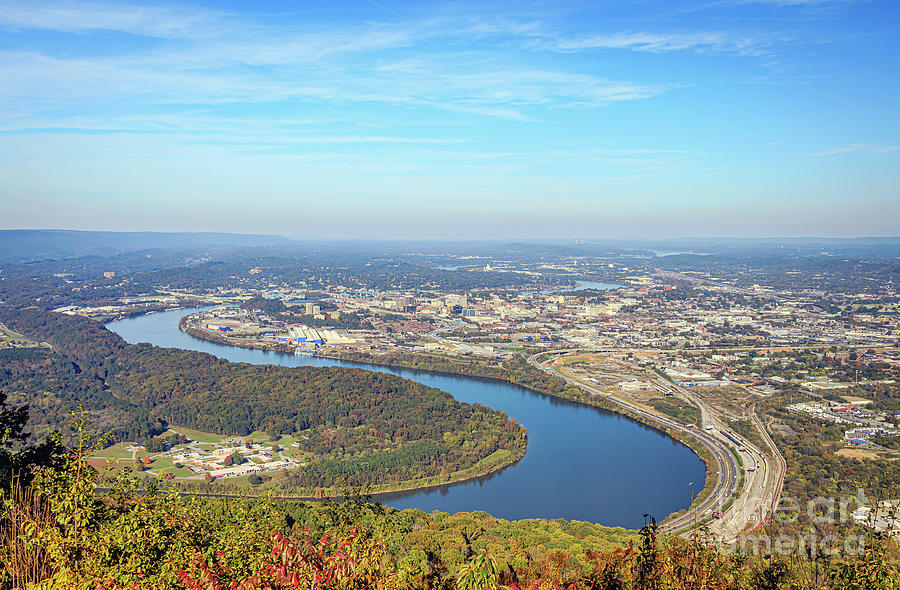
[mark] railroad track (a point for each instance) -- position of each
(727, 465)
(779, 459)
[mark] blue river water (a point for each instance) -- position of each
(581, 463)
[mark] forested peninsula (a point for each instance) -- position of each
(361, 428)
(514, 369)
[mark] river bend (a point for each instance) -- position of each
(582, 463)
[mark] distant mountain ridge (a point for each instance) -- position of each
(30, 245)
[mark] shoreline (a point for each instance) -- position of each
(592, 402)
(373, 360)
(514, 458)
(614, 409)
(374, 495)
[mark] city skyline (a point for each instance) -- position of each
(453, 120)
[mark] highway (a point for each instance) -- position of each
(771, 485)
(763, 472)
(726, 464)
(763, 476)
(760, 475)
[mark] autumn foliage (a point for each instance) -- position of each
(58, 533)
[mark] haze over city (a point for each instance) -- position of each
(398, 119)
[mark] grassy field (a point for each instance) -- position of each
(116, 451)
(678, 409)
(10, 339)
(496, 458)
(298, 454)
(162, 467)
(197, 435)
(286, 441)
(162, 463)
(257, 436)
(155, 470)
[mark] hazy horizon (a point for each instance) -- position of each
(551, 239)
(453, 120)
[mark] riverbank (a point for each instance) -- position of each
(580, 464)
(236, 488)
(524, 375)
(515, 371)
(485, 467)
(216, 338)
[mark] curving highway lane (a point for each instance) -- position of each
(728, 468)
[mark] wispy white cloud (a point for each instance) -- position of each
(212, 57)
(461, 82)
(144, 20)
(787, 12)
(319, 110)
(871, 148)
(798, 2)
(712, 41)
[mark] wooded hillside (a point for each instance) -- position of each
(361, 427)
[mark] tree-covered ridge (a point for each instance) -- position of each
(346, 415)
(514, 369)
(214, 395)
(270, 306)
(54, 387)
(359, 427)
(81, 339)
(58, 533)
(47, 284)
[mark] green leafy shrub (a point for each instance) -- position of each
(59, 534)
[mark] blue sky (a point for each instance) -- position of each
(461, 119)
